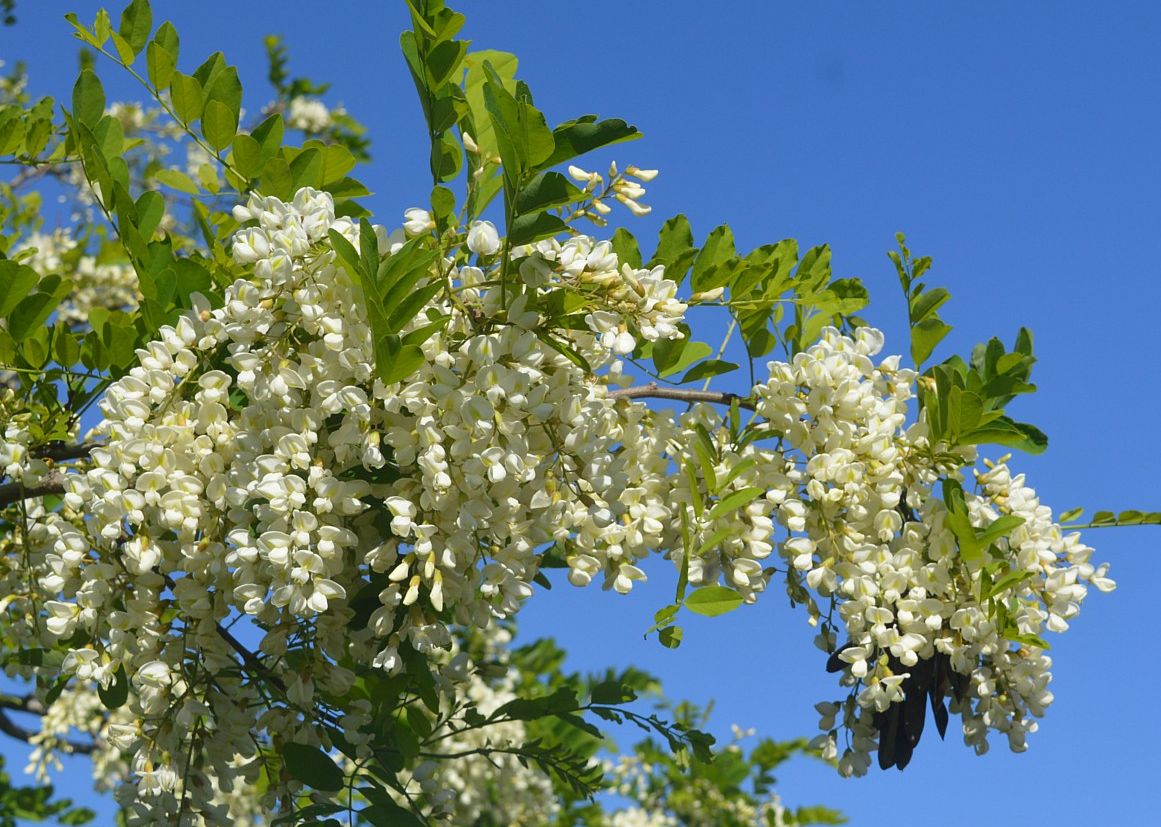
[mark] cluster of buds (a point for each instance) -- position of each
(621, 187)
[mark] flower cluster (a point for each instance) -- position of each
(310, 115)
(254, 464)
(95, 283)
(242, 470)
(868, 536)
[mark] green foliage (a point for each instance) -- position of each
(1108, 519)
(25, 804)
(965, 402)
(927, 329)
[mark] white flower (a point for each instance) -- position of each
(417, 221)
(483, 240)
(308, 114)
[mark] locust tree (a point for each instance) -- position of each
(278, 474)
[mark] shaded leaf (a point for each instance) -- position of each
(313, 767)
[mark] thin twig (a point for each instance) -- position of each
(655, 391)
(250, 659)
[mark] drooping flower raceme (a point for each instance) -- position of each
(254, 464)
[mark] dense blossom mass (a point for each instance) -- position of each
(254, 464)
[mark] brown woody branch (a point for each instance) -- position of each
(62, 451)
(655, 391)
(34, 707)
(50, 483)
(53, 481)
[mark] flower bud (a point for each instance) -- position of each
(483, 240)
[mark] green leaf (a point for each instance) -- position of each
(663, 617)
(712, 601)
(1071, 515)
(35, 348)
(401, 310)
(347, 253)
(625, 246)
(401, 360)
(671, 636)
(88, 98)
(150, 208)
(529, 228)
(389, 814)
(1027, 640)
(927, 303)
(115, 695)
(1001, 527)
(160, 65)
(16, 281)
(444, 61)
(565, 349)
(524, 138)
(675, 250)
(612, 692)
(346, 188)
(124, 50)
(35, 308)
(219, 124)
(247, 156)
(446, 157)
(58, 688)
(480, 126)
(734, 501)
(176, 179)
(161, 56)
(82, 32)
(707, 369)
(925, 336)
(136, 23)
(686, 354)
(574, 138)
(443, 205)
(547, 190)
(337, 161)
(306, 168)
(166, 37)
(223, 85)
(312, 766)
(269, 134)
(187, 98)
(1008, 581)
(277, 179)
(709, 266)
(964, 410)
(958, 521)
(1005, 431)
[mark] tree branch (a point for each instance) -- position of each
(28, 703)
(250, 659)
(14, 730)
(50, 483)
(655, 391)
(62, 451)
(53, 481)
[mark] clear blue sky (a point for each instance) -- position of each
(1015, 142)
